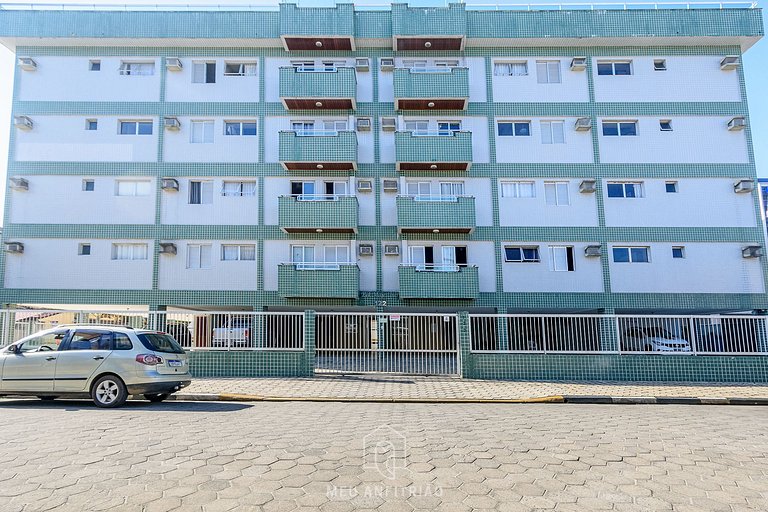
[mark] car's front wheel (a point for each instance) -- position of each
(157, 397)
(109, 391)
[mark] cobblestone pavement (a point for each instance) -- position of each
(383, 386)
(282, 456)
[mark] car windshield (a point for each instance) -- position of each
(160, 342)
(660, 332)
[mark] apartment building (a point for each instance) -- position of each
(413, 159)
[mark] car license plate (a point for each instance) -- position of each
(175, 363)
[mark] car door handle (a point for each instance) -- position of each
(50, 358)
(97, 358)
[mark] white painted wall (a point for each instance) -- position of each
(55, 263)
(65, 139)
(534, 211)
(476, 73)
(178, 145)
(573, 85)
(576, 149)
(687, 78)
(179, 85)
(279, 251)
(390, 279)
(538, 277)
(275, 186)
(69, 79)
(53, 199)
(272, 67)
(698, 202)
(480, 254)
(173, 273)
(702, 139)
(707, 268)
(367, 266)
(475, 124)
(175, 207)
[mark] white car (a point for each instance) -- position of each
(653, 339)
(107, 363)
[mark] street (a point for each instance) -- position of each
(281, 456)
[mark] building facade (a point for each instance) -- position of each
(410, 159)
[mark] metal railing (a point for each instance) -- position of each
(428, 267)
(318, 197)
(317, 133)
(318, 265)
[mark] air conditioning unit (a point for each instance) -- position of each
(15, 247)
(583, 124)
(578, 64)
(387, 64)
(170, 184)
(588, 186)
(593, 251)
(363, 124)
(743, 186)
(388, 124)
(752, 251)
(364, 186)
(391, 250)
(362, 64)
(730, 62)
(172, 123)
(27, 64)
(365, 249)
(23, 122)
(19, 184)
(173, 64)
(390, 186)
(168, 248)
(737, 124)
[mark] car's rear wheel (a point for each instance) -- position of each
(47, 398)
(157, 397)
(109, 391)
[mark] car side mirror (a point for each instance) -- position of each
(13, 349)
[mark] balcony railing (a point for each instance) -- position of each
(420, 281)
(318, 280)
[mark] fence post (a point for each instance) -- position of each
(609, 337)
(309, 342)
(258, 329)
(8, 327)
(762, 334)
(157, 318)
(466, 369)
(502, 332)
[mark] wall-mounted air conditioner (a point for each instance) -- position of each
(362, 64)
(578, 64)
(365, 250)
(752, 251)
(593, 251)
(387, 64)
(27, 64)
(737, 124)
(172, 123)
(363, 124)
(588, 186)
(23, 122)
(391, 250)
(744, 186)
(168, 248)
(14, 247)
(388, 124)
(583, 124)
(170, 184)
(364, 186)
(173, 64)
(730, 62)
(19, 183)
(390, 186)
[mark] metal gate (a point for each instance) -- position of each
(408, 343)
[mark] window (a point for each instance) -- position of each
(619, 128)
(52, 340)
(335, 125)
(423, 257)
(665, 125)
(451, 188)
(135, 127)
(417, 188)
(200, 192)
(417, 126)
(239, 127)
(518, 189)
(552, 132)
(129, 251)
(631, 255)
(203, 72)
(202, 132)
(303, 127)
(121, 341)
(670, 187)
(89, 185)
(548, 71)
(84, 249)
(238, 189)
(510, 68)
(521, 254)
(302, 188)
(302, 254)
(335, 188)
(678, 252)
(136, 68)
(561, 258)
(91, 124)
(415, 65)
(94, 65)
(517, 129)
(448, 127)
(617, 189)
(446, 63)
(238, 253)
(133, 188)
(614, 67)
(198, 256)
(85, 340)
(556, 193)
(336, 254)
(239, 69)
(659, 65)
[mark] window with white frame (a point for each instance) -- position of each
(625, 189)
(552, 132)
(91, 124)
(451, 188)
(336, 188)
(204, 72)
(678, 252)
(417, 126)
(561, 258)
(619, 128)
(336, 254)
(200, 192)
(514, 128)
(631, 255)
(201, 132)
(556, 193)
(243, 128)
(521, 254)
(199, 256)
(448, 127)
(518, 189)
(94, 65)
(519, 68)
(239, 69)
(84, 249)
(302, 253)
(89, 185)
(135, 127)
(446, 63)
(335, 125)
(665, 125)
(417, 188)
(136, 68)
(617, 67)
(133, 187)
(302, 188)
(129, 251)
(238, 189)
(415, 64)
(303, 127)
(237, 252)
(548, 71)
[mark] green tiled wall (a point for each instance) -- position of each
(332, 84)
(317, 21)
(414, 148)
(341, 147)
(436, 214)
(431, 85)
(436, 21)
(343, 283)
(246, 363)
(415, 284)
(338, 214)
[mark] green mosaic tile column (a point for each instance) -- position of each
(257, 332)
(465, 345)
(609, 337)
(762, 335)
(502, 333)
(309, 342)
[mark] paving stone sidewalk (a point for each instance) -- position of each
(378, 387)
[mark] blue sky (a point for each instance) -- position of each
(755, 66)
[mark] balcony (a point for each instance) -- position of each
(417, 282)
(312, 151)
(321, 214)
(318, 88)
(429, 29)
(432, 152)
(430, 214)
(317, 28)
(431, 89)
(318, 280)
